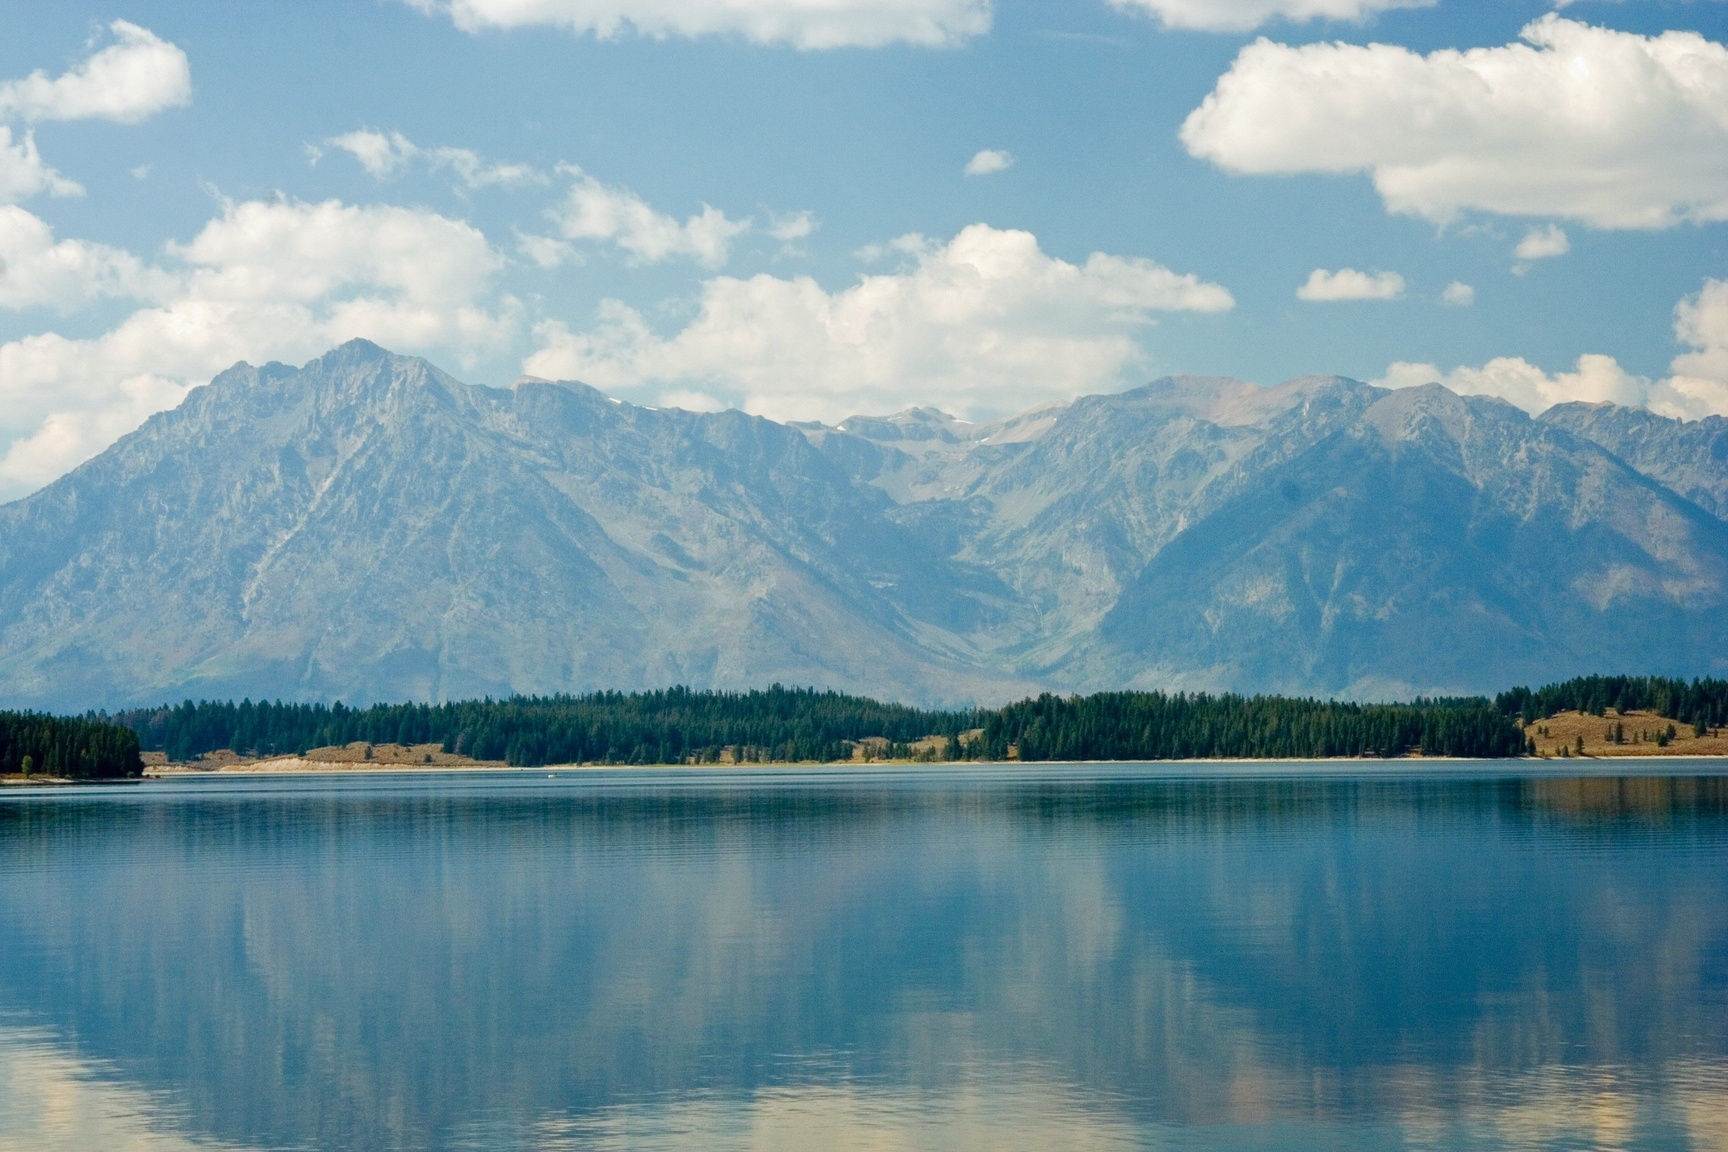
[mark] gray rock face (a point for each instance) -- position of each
(368, 528)
(1689, 456)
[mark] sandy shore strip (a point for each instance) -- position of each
(283, 766)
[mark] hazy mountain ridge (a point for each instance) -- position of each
(369, 528)
(1688, 456)
(1440, 535)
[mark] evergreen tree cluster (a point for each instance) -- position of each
(1703, 703)
(680, 725)
(1155, 726)
(78, 748)
(673, 726)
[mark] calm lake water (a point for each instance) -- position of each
(1074, 959)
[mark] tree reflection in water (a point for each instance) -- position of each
(780, 961)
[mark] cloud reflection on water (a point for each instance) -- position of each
(1218, 965)
(53, 1101)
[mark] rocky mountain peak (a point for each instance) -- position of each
(367, 527)
(1688, 456)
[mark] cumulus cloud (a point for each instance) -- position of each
(1512, 378)
(793, 226)
(809, 24)
(1543, 244)
(546, 251)
(1701, 322)
(1349, 284)
(1610, 128)
(132, 79)
(381, 154)
(128, 81)
(23, 174)
(1244, 15)
(384, 155)
(264, 279)
(989, 161)
(596, 211)
(1458, 294)
(1697, 388)
(38, 271)
(986, 322)
(284, 251)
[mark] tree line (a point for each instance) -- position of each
(78, 748)
(681, 725)
(777, 724)
(1703, 703)
(670, 726)
(1156, 726)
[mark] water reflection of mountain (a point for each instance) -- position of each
(394, 967)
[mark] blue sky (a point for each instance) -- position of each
(767, 205)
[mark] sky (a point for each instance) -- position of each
(810, 209)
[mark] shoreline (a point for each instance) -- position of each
(285, 767)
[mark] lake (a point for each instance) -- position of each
(1075, 958)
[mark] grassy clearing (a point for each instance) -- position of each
(1639, 734)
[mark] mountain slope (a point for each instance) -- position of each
(368, 528)
(1321, 536)
(1688, 456)
(1439, 540)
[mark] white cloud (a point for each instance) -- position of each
(798, 23)
(262, 280)
(1349, 284)
(1697, 388)
(381, 154)
(476, 173)
(595, 211)
(385, 154)
(989, 161)
(1701, 322)
(38, 271)
(23, 174)
(547, 251)
(285, 251)
(984, 323)
(1543, 244)
(794, 226)
(1243, 15)
(1515, 379)
(130, 80)
(1610, 128)
(1458, 294)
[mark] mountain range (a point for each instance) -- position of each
(368, 528)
